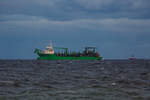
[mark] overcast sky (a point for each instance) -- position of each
(118, 28)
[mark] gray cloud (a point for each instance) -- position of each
(137, 26)
(77, 9)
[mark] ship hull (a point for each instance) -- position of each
(54, 57)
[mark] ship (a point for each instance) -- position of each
(132, 57)
(89, 53)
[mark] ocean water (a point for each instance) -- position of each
(75, 80)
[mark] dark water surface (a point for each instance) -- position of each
(74, 80)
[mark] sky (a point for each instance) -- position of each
(118, 28)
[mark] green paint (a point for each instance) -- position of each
(54, 57)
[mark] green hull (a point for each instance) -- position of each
(54, 57)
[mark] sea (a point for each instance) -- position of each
(75, 80)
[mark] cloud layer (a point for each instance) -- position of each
(77, 9)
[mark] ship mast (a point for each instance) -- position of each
(49, 49)
(50, 45)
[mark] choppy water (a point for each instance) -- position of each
(74, 80)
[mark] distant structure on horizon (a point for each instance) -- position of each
(132, 57)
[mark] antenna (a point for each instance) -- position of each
(50, 43)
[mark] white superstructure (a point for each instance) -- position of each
(49, 49)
